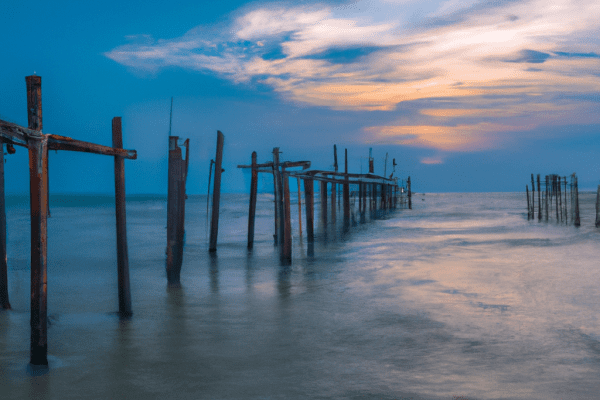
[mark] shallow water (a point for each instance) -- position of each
(462, 296)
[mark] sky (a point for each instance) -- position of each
(466, 96)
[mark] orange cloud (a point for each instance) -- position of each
(474, 137)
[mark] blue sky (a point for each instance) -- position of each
(466, 95)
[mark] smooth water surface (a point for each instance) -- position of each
(461, 296)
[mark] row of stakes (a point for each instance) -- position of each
(378, 192)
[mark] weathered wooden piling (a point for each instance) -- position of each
(286, 245)
(278, 182)
(539, 198)
(253, 193)
(559, 198)
(309, 206)
(122, 253)
(409, 193)
(598, 207)
(528, 202)
(334, 187)
(214, 222)
(547, 193)
(174, 247)
(4, 301)
(577, 221)
(299, 208)
(38, 184)
(346, 189)
(532, 198)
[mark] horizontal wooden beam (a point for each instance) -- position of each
(56, 142)
(15, 134)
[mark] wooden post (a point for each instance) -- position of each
(323, 195)
(577, 220)
(528, 202)
(173, 266)
(346, 190)
(38, 186)
(286, 246)
(409, 194)
(277, 179)
(214, 222)
(539, 199)
(360, 194)
(559, 198)
(598, 207)
(532, 198)
(299, 208)
(556, 197)
(309, 201)
(122, 254)
(252, 210)
(566, 209)
(546, 197)
(4, 303)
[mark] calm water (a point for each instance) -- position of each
(461, 296)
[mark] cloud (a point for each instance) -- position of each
(381, 54)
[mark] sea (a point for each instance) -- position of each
(460, 298)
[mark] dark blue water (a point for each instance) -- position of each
(462, 296)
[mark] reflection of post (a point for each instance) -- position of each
(214, 223)
(38, 153)
(173, 211)
(286, 247)
(309, 201)
(4, 303)
(122, 256)
(252, 210)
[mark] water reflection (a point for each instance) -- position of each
(214, 273)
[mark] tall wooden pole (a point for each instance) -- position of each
(299, 208)
(539, 198)
(252, 210)
(175, 172)
(38, 182)
(286, 246)
(598, 207)
(559, 198)
(279, 224)
(309, 206)
(532, 198)
(4, 302)
(122, 254)
(546, 191)
(334, 187)
(409, 194)
(346, 189)
(214, 222)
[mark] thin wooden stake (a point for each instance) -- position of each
(532, 198)
(309, 207)
(252, 210)
(598, 207)
(277, 179)
(323, 194)
(528, 202)
(539, 198)
(174, 261)
(214, 223)
(346, 190)
(4, 302)
(299, 208)
(577, 220)
(286, 247)
(409, 194)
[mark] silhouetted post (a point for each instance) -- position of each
(528, 205)
(277, 179)
(252, 210)
(559, 198)
(598, 207)
(532, 198)
(539, 198)
(409, 193)
(566, 209)
(214, 223)
(360, 194)
(286, 246)
(299, 208)
(122, 254)
(577, 221)
(309, 205)
(38, 186)
(346, 189)
(4, 303)
(323, 194)
(546, 197)
(334, 186)
(173, 211)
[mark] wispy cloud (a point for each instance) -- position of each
(378, 54)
